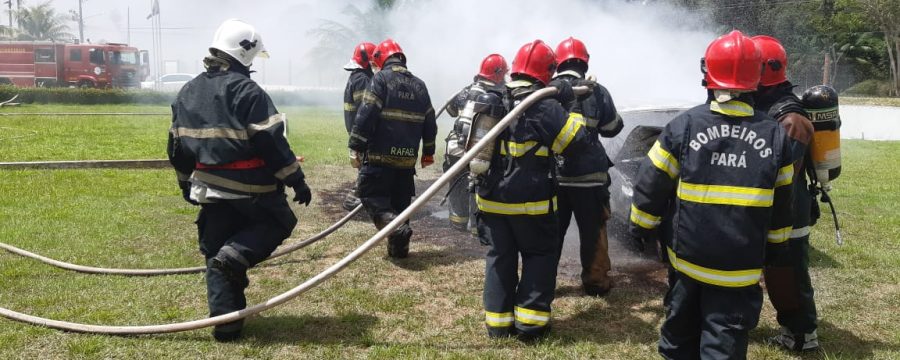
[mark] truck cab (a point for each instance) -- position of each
(102, 66)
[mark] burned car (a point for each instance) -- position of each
(628, 150)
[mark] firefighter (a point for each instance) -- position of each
(517, 200)
(788, 281)
(395, 116)
(360, 69)
(730, 169)
(229, 152)
(491, 78)
(583, 179)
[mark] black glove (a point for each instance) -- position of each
(565, 95)
(640, 237)
(302, 194)
(186, 192)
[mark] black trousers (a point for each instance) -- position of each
(385, 192)
(706, 321)
(508, 300)
(590, 206)
(254, 227)
(790, 288)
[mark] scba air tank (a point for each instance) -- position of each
(488, 109)
(821, 102)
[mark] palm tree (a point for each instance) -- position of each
(42, 22)
(336, 39)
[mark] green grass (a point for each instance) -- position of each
(426, 307)
(884, 101)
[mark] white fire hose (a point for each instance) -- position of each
(315, 280)
(189, 270)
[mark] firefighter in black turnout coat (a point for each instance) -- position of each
(360, 69)
(517, 201)
(228, 149)
(730, 170)
(491, 78)
(583, 178)
(787, 281)
(395, 116)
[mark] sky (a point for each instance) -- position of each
(645, 54)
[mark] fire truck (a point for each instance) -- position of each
(47, 64)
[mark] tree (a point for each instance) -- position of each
(886, 14)
(336, 39)
(6, 33)
(827, 41)
(42, 22)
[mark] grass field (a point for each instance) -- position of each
(428, 306)
(848, 100)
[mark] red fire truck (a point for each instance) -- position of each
(46, 64)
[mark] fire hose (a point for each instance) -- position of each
(189, 270)
(315, 280)
(444, 108)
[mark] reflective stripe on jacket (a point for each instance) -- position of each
(520, 179)
(782, 105)
(353, 92)
(395, 116)
(222, 117)
(590, 166)
(729, 170)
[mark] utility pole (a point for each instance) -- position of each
(9, 2)
(129, 27)
(80, 24)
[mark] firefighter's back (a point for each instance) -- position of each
(729, 170)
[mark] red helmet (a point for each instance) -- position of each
(571, 49)
(774, 60)
(732, 62)
(494, 68)
(362, 55)
(536, 60)
(385, 50)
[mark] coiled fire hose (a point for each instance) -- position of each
(189, 270)
(315, 280)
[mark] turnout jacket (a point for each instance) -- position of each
(589, 167)
(521, 178)
(730, 170)
(227, 134)
(356, 86)
(395, 115)
(782, 105)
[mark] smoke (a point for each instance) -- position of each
(646, 55)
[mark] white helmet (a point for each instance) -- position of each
(240, 40)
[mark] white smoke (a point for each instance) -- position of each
(646, 55)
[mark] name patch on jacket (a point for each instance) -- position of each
(403, 151)
(734, 132)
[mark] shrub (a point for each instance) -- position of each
(874, 88)
(85, 96)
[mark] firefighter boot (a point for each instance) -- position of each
(398, 242)
(796, 342)
(233, 265)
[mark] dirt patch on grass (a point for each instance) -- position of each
(641, 271)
